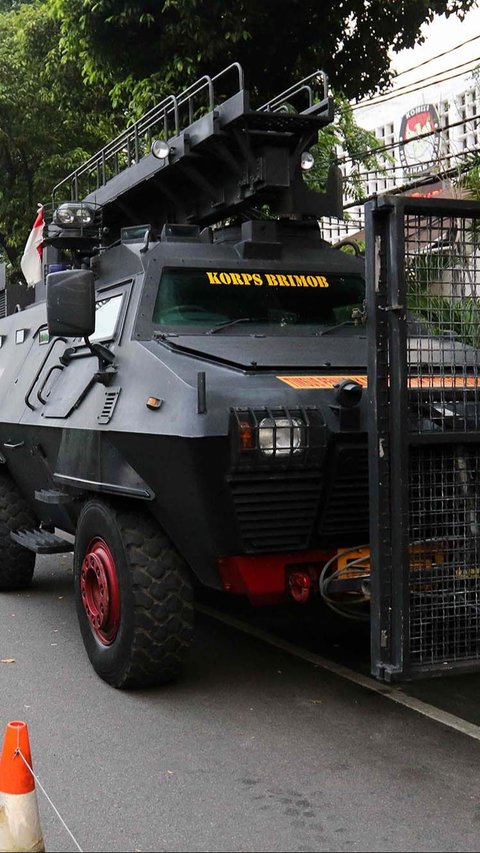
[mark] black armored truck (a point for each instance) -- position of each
(185, 396)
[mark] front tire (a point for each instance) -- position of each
(133, 596)
(16, 563)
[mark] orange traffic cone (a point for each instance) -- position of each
(19, 818)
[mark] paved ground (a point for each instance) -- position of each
(253, 750)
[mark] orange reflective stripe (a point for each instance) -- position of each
(413, 381)
(15, 777)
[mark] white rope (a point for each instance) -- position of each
(18, 751)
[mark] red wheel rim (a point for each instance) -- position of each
(100, 591)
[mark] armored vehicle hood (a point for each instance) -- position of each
(276, 352)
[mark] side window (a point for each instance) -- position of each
(107, 315)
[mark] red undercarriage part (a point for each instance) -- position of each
(266, 579)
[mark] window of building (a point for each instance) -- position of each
(384, 179)
(468, 108)
(443, 110)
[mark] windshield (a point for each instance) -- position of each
(205, 301)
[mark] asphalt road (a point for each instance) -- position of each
(254, 749)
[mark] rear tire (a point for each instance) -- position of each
(133, 596)
(17, 564)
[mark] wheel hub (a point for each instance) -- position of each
(100, 591)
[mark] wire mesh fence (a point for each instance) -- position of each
(444, 573)
(424, 296)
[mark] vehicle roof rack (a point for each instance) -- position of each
(221, 157)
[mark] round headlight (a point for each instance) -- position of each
(280, 436)
(160, 149)
(74, 214)
(65, 215)
(84, 215)
(307, 161)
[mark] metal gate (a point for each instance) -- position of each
(423, 305)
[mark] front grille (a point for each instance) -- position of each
(276, 512)
(344, 514)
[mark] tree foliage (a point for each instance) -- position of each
(151, 47)
(46, 121)
(75, 72)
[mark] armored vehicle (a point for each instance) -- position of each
(179, 397)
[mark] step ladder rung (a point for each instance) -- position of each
(41, 541)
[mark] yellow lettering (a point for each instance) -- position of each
(272, 279)
(300, 280)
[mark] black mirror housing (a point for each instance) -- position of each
(71, 303)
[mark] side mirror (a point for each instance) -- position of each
(71, 303)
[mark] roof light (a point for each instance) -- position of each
(160, 149)
(72, 214)
(64, 215)
(84, 215)
(307, 161)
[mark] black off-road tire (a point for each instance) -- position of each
(17, 564)
(146, 639)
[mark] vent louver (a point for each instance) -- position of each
(109, 403)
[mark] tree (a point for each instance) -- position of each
(75, 72)
(149, 48)
(47, 122)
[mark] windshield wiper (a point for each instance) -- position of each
(338, 326)
(358, 318)
(220, 326)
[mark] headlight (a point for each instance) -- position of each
(85, 215)
(276, 438)
(160, 149)
(280, 436)
(307, 161)
(64, 215)
(71, 214)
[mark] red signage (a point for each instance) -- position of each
(419, 139)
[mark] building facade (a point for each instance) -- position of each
(428, 135)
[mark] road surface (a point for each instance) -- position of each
(254, 749)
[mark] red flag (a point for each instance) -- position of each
(31, 262)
